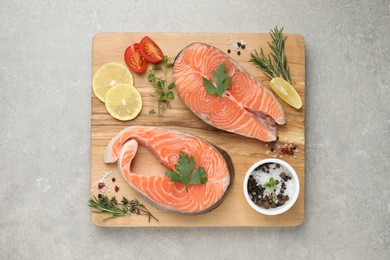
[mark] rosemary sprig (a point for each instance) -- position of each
(105, 205)
(278, 64)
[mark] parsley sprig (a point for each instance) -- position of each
(105, 205)
(222, 81)
(271, 185)
(185, 172)
(163, 90)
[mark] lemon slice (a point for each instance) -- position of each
(286, 92)
(109, 75)
(123, 102)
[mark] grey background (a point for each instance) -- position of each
(45, 89)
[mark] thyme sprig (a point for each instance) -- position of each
(277, 66)
(105, 205)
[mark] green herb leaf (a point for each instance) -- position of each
(222, 81)
(161, 83)
(198, 176)
(174, 176)
(210, 86)
(156, 67)
(151, 77)
(124, 201)
(113, 201)
(170, 95)
(152, 112)
(171, 85)
(185, 173)
(163, 97)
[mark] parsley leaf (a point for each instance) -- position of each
(198, 176)
(185, 172)
(221, 79)
(270, 184)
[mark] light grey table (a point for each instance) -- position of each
(45, 79)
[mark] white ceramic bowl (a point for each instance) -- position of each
(289, 203)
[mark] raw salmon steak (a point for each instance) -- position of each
(166, 145)
(246, 108)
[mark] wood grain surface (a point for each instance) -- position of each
(234, 211)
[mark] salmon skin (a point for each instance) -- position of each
(166, 145)
(246, 108)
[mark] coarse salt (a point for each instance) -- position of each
(103, 180)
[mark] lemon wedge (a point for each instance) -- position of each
(123, 102)
(286, 92)
(109, 75)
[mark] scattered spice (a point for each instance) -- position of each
(113, 179)
(102, 183)
(280, 150)
(116, 188)
(236, 46)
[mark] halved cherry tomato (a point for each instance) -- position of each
(150, 50)
(134, 59)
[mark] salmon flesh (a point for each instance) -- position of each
(166, 145)
(246, 108)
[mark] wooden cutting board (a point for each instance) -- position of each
(234, 211)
